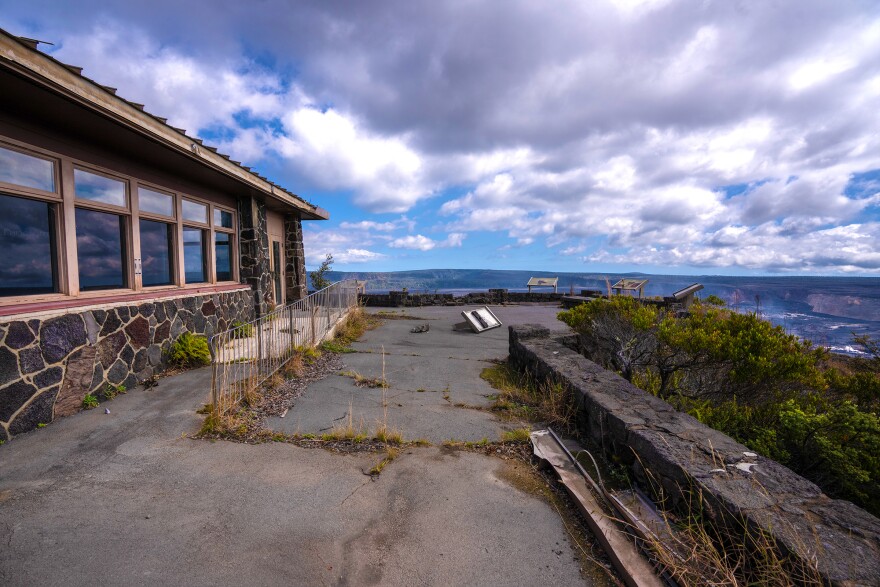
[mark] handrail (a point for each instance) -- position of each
(248, 353)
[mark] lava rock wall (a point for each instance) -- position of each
(47, 365)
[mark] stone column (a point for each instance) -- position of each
(254, 248)
(294, 259)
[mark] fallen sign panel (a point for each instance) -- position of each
(481, 319)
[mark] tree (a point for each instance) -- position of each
(319, 281)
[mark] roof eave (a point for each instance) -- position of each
(21, 56)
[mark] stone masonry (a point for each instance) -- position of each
(254, 252)
(294, 255)
(671, 452)
(47, 365)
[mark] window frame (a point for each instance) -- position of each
(233, 243)
(14, 188)
(65, 204)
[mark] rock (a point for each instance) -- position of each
(155, 354)
(61, 336)
(127, 355)
(108, 349)
(111, 324)
(31, 360)
(100, 316)
(39, 411)
(92, 327)
(12, 397)
(147, 309)
(97, 377)
(163, 331)
(123, 314)
(208, 308)
(131, 381)
(8, 366)
(78, 380)
(139, 332)
(117, 373)
(49, 377)
(140, 360)
(159, 313)
(18, 335)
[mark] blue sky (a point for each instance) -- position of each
(660, 136)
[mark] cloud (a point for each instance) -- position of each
(636, 131)
(423, 243)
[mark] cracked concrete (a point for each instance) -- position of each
(427, 373)
(127, 499)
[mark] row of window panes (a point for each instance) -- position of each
(27, 233)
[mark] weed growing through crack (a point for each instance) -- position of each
(516, 435)
(110, 391)
(378, 467)
(519, 396)
(89, 401)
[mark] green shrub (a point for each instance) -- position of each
(777, 394)
(242, 329)
(89, 402)
(189, 351)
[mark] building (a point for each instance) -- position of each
(117, 234)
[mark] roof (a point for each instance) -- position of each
(20, 54)
(545, 281)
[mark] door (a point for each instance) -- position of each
(277, 270)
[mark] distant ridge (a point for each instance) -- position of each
(826, 310)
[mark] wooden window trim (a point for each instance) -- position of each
(37, 153)
(66, 202)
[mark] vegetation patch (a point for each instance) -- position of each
(780, 396)
(89, 401)
(189, 351)
(241, 329)
(520, 397)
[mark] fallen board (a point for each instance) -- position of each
(620, 547)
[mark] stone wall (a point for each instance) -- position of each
(48, 364)
(294, 260)
(642, 431)
(403, 299)
(254, 252)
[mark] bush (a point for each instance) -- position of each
(189, 351)
(741, 375)
(241, 329)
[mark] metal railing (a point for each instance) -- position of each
(246, 355)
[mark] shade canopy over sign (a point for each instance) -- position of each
(630, 285)
(543, 282)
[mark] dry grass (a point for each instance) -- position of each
(520, 397)
(347, 430)
(387, 435)
(702, 547)
(516, 435)
(378, 467)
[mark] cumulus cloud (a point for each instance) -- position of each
(634, 131)
(423, 243)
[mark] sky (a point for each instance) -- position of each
(681, 137)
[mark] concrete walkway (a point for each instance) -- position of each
(127, 499)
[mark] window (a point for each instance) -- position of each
(26, 170)
(100, 240)
(194, 255)
(154, 202)
(222, 218)
(98, 188)
(156, 248)
(223, 255)
(27, 242)
(195, 212)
